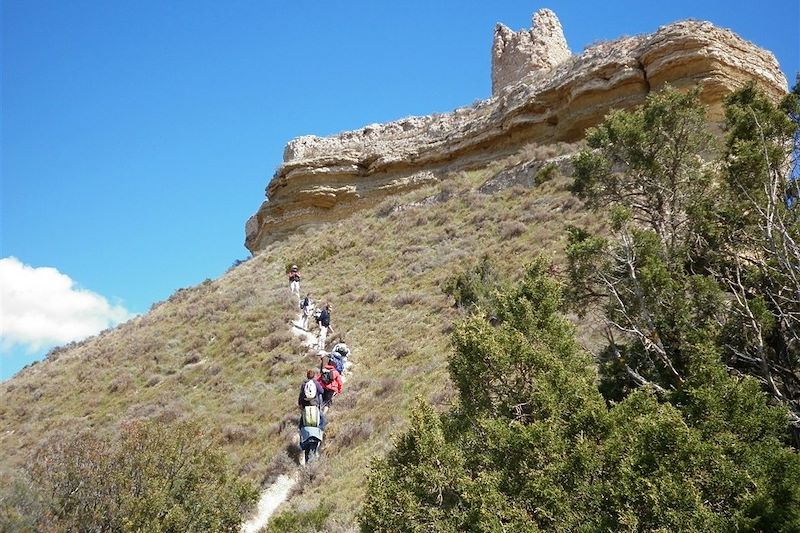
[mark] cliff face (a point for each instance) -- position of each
(541, 95)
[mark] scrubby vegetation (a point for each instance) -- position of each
(698, 253)
(301, 521)
(697, 288)
(154, 477)
(533, 446)
(401, 278)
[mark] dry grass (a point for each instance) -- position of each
(512, 228)
(222, 352)
(407, 299)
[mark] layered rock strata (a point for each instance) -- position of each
(322, 179)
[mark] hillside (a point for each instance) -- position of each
(376, 228)
(222, 352)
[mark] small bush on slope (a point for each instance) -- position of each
(473, 286)
(533, 446)
(156, 477)
(22, 506)
(300, 522)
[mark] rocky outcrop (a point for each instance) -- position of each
(555, 101)
(517, 54)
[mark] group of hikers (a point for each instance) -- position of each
(321, 315)
(320, 386)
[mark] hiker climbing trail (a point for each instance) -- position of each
(273, 496)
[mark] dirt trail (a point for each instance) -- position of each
(309, 339)
(269, 501)
(277, 493)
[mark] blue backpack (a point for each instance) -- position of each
(337, 361)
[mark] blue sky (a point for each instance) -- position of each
(138, 137)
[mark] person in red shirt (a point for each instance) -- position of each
(294, 280)
(331, 382)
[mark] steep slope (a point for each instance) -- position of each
(377, 219)
(221, 351)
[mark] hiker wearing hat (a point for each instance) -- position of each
(294, 280)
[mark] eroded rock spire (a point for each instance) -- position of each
(517, 54)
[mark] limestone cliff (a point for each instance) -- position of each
(542, 95)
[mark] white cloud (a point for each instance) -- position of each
(41, 307)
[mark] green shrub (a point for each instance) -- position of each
(301, 522)
(545, 174)
(22, 507)
(533, 445)
(473, 286)
(154, 477)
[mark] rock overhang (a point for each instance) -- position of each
(552, 97)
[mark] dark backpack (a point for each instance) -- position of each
(325, 318)
(327, 375)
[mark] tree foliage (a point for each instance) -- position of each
(649, 161)
(154, 477)
(704, 244)
(760, 266)
(473, 286)
(534, 446)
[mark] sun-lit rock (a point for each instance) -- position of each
(516, 54)
(542, 95)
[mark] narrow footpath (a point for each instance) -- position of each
(270, 500)
(273, 496)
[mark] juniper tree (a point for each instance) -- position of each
(703, 244)
(533, 446)
(761, 265)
